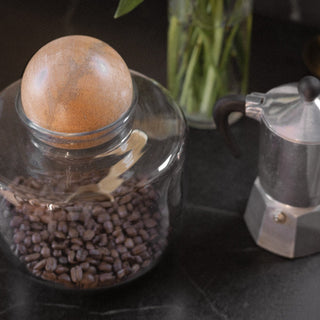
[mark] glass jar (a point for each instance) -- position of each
(208, 54)
(98, 216)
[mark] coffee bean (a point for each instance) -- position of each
(135, 268)
(19, 236)
(52, 226)
(120, 238)
(73, 233)
(114, 253)
(137, 240)
(16, 221)
(73, 216)
(131, 232)
(57, 253)
(27, 241)
(122, 211)
(48, 276)
(129, 243)
(106, 277)
(103, 217)
(85, 265)
(51, 264)
(150, 223)
(108, 226)
(106, 267)
(71, 256)
(63, 260)
(64, 278)
(45, 252)
(106, 204)
(40, 265)
(81, 254)
(125, 199)
(88, 235)
(134, 216)
(88, 280)
(36, 237)
(76, 274)
(139, 248)
(32, 257)
(63, 227)
(36, 248)
(144, 234)
(36, 226)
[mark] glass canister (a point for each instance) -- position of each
(91, 209)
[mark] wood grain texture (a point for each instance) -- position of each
(76, 84)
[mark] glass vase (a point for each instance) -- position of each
(208, 54)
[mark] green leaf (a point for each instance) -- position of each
(125, 6)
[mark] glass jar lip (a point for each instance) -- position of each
(108, 128)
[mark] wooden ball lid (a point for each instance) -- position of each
(76, 84)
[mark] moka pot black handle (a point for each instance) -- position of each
(221, 111)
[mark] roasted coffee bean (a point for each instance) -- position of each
(73, 233)
(88, 235)
(64, 278)
(138, 249)
(108, 259)
(40, 265)
(57, 253)
(36, 248)
(51, 264)
(103, 240)
(85, 265)
(114, 253)
(120, 238)
(27, 241)
(45, 252)
(58, 245)
(36, 237)
(19, 236)
(125, 199)
(60, 215)
(131, 232)
(121, 249)
(106, 267)
(122, 211)
(108, 226)
(52, 226)
(63, 227)
(73, 216)
(134, 216)
(150, 223)
(76, 274)
(90, 244)
(75, 247)
(36, 226)
(106, 277)
(137, 240)
(16, 221)
(71, 256)
(32, 257)
(48, 276)
(129, 243)
(81, 254)
(135, 268)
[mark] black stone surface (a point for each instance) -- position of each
(213, 270)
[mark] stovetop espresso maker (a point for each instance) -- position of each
(283, 211)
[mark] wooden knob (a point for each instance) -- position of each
(76, 84)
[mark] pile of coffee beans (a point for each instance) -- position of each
(89, 244)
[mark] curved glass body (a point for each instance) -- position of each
(94, 217)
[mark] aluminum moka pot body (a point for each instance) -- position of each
(283, 213)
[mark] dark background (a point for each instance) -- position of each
(214, 270)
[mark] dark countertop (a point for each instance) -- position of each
(214, 270)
